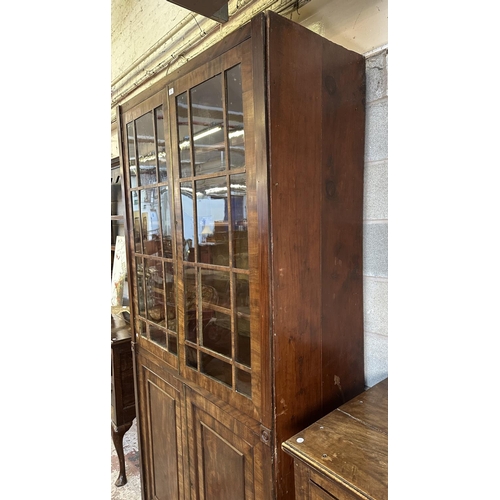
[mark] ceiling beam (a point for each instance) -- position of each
(213, 9)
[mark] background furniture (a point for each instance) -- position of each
(122, 388)
(122, 377)
(243, 176)
(343, 456)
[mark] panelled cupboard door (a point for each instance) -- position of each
(226, 459)
(211, 119)
(162, 448)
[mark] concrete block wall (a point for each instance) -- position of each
(375, 219)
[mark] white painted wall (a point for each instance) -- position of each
(152, 37)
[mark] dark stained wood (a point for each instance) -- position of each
(304, 139)
(317, 297)
(343, 119)
(260, 226)
(346, 452)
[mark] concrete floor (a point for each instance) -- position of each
(131, 490)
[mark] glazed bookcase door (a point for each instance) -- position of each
(151, 235)
(211, 112)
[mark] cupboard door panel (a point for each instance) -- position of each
(226, 458)
(163, 443)
(161, 437)
(223, 466)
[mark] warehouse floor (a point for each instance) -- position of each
(131, 490)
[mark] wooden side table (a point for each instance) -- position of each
(343, 456)
(122, 389)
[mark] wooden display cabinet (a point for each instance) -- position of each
(243, 175)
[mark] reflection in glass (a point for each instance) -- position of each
(242, 294)
(184, 135)
(216, 288)
(190, 301)
(172, 344)
(140, 286)
(235, 129)
(212, 218)
(149, 203)
(216, 369)
(166, 222)
(140, 327)
(208, 123)
(191, 358)
(216, 328)
(134, 196)
(131, 154)
(171, 300)
(187, 221)
(155, 297)
(146, 149)
(244, 383)
(160, 143)
(239, 220)
(243, 340)
(157, 335)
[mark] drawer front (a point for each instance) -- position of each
(310, 485)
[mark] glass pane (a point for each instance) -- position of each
(146, 149)
(212, 218)
(216, 369)
(208, 123)
(217, 331)
(191, 359)
(172, 344)
(134, 195)
(131, 154)
(184, 135)
(117, 229)
(158, 336)
(190, 301)
(140, 286)
(166, 222)
(239, 218)
(244, 383)
(160, 141)
(188, 228)
(150, 209)
(171, 301)
(117, 226)
(243, 341)
(140, 327)
(242, 294)
(155, 296)
(215, 288)
(235, 129)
